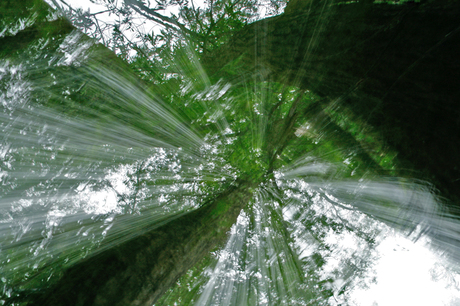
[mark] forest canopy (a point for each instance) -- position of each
(230, 152)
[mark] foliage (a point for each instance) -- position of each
(203, 26)
(163, 138)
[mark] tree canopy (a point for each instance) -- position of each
(225, 158)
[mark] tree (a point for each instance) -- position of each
(374, 60)
(262, 134)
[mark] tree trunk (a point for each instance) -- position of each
(139, 271)
(395, 66)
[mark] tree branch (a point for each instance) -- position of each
(154, 16)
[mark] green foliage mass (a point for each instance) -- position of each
(251, 131)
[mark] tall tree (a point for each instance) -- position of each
(347, 54)
(376, 60)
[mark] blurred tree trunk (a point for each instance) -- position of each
(139, 271)
(395, 66)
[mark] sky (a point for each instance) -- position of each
(405, 276)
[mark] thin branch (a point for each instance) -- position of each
(134, 46)
(100, 31)
(101, 12)
(154, 16)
